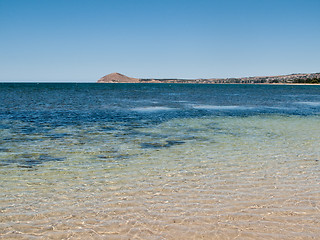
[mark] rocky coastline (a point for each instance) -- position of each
(301, 78)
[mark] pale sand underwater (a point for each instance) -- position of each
(236, 177)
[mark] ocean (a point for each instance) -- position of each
(159, 161)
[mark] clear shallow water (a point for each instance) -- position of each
(159, 161)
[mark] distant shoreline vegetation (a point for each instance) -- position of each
(308, 78)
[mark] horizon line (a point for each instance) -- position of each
(173, 78)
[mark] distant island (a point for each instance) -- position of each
(301, 78)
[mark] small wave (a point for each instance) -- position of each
(216, 107)
(279, 108)
(152, 109)
(312, 104)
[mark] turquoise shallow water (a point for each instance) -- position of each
(156, 161)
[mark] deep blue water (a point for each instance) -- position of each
(72, 103)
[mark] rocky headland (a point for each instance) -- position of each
(301, 78)
(118, 78)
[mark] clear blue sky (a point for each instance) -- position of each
(82, 40)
